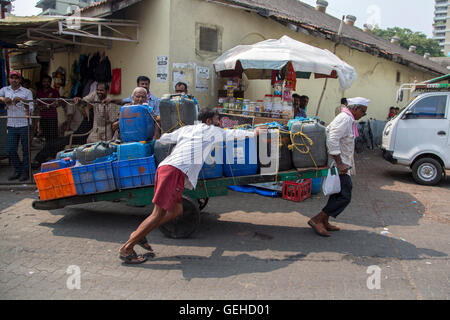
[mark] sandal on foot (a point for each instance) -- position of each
(133, 258)
(142, 244)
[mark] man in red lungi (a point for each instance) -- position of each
(179, 170)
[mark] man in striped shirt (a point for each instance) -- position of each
(15, 97)
(179, 170)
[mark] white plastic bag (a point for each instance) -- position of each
(332, 183)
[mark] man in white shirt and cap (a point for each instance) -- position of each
(179, 170)
(341, 134)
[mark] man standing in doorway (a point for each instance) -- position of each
(341, 134)
(15, 97)
(48, 123)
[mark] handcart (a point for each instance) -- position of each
(193, 200)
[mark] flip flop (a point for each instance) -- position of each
(142, 244)
(131, 259)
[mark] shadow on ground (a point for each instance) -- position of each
(237, 247)
(380, 199)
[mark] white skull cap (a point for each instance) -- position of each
(358, 101)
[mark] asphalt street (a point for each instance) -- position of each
(394, 244)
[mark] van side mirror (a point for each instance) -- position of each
(399, 96)
(408, 115)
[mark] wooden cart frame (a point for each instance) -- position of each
(193, 200)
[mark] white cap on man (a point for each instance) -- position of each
(358, 101)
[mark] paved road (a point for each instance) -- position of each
(248, 247)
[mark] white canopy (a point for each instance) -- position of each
(258, 60)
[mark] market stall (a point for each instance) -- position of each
(283, 61)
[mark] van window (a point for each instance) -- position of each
(430, 108)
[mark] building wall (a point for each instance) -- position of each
(377, 78)
(176, 38)
(447, 34)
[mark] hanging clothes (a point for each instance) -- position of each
(103, 70)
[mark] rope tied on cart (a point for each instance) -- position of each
(305, 141)
(179, 121)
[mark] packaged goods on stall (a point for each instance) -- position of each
(259, 108)
(278, 88)
(246, 107)
(287, 94)
(220, 105)
(287, 110)
(268, 105)
(231, 105)
(225, 105)
(239, 103)
(252, 108)
(277, 106)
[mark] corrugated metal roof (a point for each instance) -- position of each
(13, 29)
(323, 24)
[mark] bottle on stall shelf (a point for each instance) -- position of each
(252, 108)
(260, 108)
(232, 105)
(225, 105)
(220, 105)
(277, 107)
(246, 107)
(278, 88)
(287, 110)
(268, 105)
(239, 103)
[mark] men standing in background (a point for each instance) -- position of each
(338, 109)
(48, 123)
(17, 100)
(300, 105)
(106, 114)
(182, 87)
(152, 101)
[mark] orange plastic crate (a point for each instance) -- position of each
(55, 184)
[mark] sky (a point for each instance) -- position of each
(416, 15)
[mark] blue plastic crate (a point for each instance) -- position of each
(94, 178)
(57, 165)
(134, 173)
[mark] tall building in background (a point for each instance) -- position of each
(441, 30)
(61, 7)
(6, 7)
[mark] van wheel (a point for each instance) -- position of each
(427, 171)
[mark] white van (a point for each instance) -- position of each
(419, 136)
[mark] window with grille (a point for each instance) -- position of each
(209, 38)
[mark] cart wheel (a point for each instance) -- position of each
(185, 225)
(202, 203)
(46, 205)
